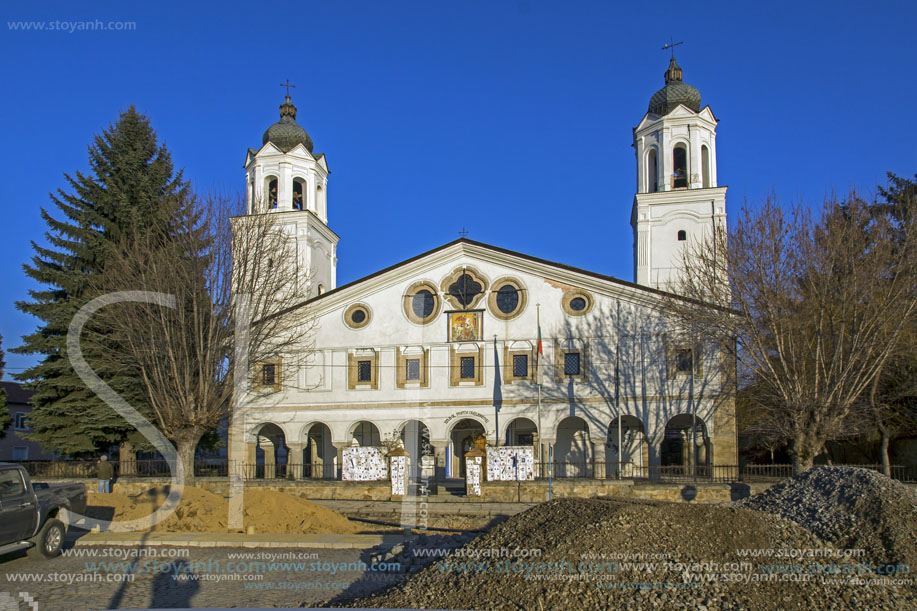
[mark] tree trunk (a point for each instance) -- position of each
(805, 450)
(127, 459)
(883, 451)
(186, 447)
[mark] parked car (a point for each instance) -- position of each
(30, 512)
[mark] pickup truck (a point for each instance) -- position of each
(30, 512)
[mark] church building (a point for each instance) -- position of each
(471, 343)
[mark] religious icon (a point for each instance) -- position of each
(464, 326)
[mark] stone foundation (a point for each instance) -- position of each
(537, 491)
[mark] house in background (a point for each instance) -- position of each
(13, 446)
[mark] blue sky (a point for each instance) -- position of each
(512, 118)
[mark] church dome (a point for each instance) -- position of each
(286, 133)
(674, 93)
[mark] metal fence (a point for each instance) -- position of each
(61, 469)
(686, 473)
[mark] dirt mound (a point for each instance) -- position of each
(852, 508)
(275, 512)
(198, 510)
(605, 554)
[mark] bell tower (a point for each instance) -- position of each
(677, 201)
(286, 177)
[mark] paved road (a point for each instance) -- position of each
(196, 577)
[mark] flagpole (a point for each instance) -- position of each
(541, 456)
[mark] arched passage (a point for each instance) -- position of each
(677, 443)
(652, 172)
(270, 452)
(572, 451)
(465, 435)
(627, 450)
(366, 434)
(416, 438)
(680, 166)
(318, 453)
(521, 432)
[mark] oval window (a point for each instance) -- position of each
(507, 298)
(423, 303)
(578, 304)
(358, 316)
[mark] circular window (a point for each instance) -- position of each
(577, 302)
(421, 302)
(507, 300)
(357, 316)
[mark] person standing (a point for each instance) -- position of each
(105, 471)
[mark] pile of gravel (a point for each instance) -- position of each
(851, 508)
(638, 555)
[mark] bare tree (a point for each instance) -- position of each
(219, 270)
(811, 310)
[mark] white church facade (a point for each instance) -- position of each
(442, 350)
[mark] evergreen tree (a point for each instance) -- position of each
(130, 188)
(5, 419)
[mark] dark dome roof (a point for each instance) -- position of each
(286, 133)
(674, 93)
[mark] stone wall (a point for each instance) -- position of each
(537, 491)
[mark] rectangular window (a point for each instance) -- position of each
(467, 368)
(268, 374)
(22, 421)
(412, 367)
(364, 371)
(20, 453)
(572, 363)
(520, 365)
(684, 360)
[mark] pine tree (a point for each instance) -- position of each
(5, 419)
(130, 188)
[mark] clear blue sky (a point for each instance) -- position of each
(512, 118)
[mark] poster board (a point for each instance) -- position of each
(363, 464)
(510, 464)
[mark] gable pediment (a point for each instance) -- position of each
(438, 264)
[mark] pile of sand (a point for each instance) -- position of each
(266, 511)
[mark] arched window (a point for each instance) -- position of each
(652, 172)
(705, 165)
(298, 191)
(271, 192)
(680, 167)
(319, 199)
(321, 289)
(682, 235)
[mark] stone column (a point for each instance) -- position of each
(339, 460)
(547, 459)
(251, 457)
(285, 186)
(598, 454)
(294, 460)
(270, 457)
